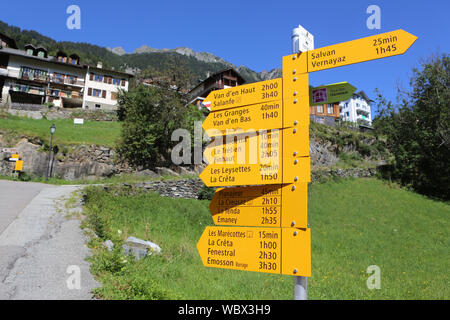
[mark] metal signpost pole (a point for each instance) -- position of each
(301, 41)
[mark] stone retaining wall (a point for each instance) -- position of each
(190, 188)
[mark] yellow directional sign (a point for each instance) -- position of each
(252, 147)
(268, 115)
(261, 206)
(271, 157)
(18, 166)
(257, 92)
(375, 47)
(270, 250)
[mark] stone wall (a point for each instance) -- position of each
(190, 188)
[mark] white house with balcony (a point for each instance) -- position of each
(357, 109)
(31, 78)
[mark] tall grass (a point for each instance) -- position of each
(355, 224)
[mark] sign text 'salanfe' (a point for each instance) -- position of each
(248, 94)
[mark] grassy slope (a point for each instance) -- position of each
(361, 223)
(92, 132)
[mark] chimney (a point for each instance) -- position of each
(100, 65)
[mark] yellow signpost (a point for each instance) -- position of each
(271, 250)
(260, 151)
(18, 165)
(261, 206)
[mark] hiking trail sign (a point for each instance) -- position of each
(331, 93)
(260, 153)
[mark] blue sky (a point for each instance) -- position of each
(252, 33)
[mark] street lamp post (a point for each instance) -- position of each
(52, 131)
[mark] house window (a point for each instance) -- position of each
(113, 95)
(104, 94)
(123, 83)
(98, 106)
(30, 52)
(319, 109)
(98, 78)
(330, 109)
(96, 93)
(116, 81)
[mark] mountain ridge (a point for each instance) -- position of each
(197, 65)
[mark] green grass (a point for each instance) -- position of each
(92, 132)
(355, 224)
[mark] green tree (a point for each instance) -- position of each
(418, 129)
(149, 116)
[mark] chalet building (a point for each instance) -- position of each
(220, 80)
(33, 77)
(325, 114)
(356, 109)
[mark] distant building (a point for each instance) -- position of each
(220, 80)
(357, 109)
(7, 42)
(102, 86)
(32, 77)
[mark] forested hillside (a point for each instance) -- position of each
(186, 70)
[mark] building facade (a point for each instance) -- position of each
(357, 109)
(325, 114)
(31, 77)
(220, 80)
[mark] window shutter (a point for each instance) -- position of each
(90, 92)
(123, 83)
(104, 94)
(91, 77)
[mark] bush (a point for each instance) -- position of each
(206, 193)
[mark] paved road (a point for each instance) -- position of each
(41, 249)
(14, 196)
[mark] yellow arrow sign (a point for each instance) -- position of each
(270, 157)
(270, 250)
(268, 115)
(375, 47)
(257, 92)
(261, 206)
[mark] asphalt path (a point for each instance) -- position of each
(42, 248)
(14, 197)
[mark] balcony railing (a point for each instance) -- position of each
(64, 94)
(34, 78)
(67, 81)
(28, 89)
